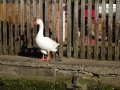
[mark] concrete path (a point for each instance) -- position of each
(83, 65)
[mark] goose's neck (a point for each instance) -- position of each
(40, 32)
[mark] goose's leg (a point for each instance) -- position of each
(54, 55)
(43, 58)
(48, 58)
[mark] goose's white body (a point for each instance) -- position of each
(46, 44)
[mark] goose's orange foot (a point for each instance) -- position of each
(43, 58)
(48, 59)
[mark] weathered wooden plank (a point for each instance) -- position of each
(22, 22)
(117, 31)
(34, 18)
(89, 29)
(22, 16)
(75, 29)
(28, 25)
(96, 29)
(82, 36)
(16, 27)
(54, 20)
(69, 28)
(1, 28)
(47, 18)
(4, 28)
(110, 29)
(61, 28)
(10, 29)
(103, 30)
(41, 9)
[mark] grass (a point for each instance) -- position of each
(28, 84)
(102, 87)
(35, 84)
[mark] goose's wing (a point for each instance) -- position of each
(44, 52)
(50, 40)
(47, 44)
(51, 44)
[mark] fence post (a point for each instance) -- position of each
(103, 49)
(4, 28)
(61, 28)
(41, 9)
(69, 28)
(16, 30)
(10, 29)
(96, 29)
(1, 27)
(28, 25)
(110, 29)
(117, 31)
(54, 20)
(47, 18)
(34, 26)
(89, 29)
(75, 30)
(22, 22)
(82, 36)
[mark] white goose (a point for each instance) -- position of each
(46, 44)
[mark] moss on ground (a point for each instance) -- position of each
(102, 87)
(8, 83)
(30, 84)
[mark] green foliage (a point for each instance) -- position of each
(33, 84)
(102, 87)
(22, 84)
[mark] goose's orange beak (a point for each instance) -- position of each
(36, 22)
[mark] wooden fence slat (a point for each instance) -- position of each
(4, 28)
(103, 49)
(34, 27)
(41, 9)
(10, 29)
(82, 36)
(75, 30)
(47, 18)
(22, 21)
(89, 29)
(0, 28)
(96, 29)
(16, 28)
(54, 20)
(69, 28)
(61, 28)
(110, 21)
(28, 25)
(117, 31)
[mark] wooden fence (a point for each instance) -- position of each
(82, 30)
